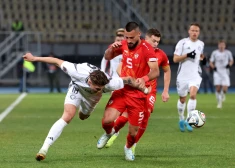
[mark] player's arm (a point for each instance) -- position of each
(231, 61)
(118, 83)
(113, 51)
(167, 80)
(178, 56)
(119, 68)
(29, 57)
(152, 75)
(212, 60)
(103, 64)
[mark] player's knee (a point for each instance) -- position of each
(182, 100)
(193, 96)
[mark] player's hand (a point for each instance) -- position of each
(116, 45)
(191, 54)
(29, 57)
(165, 96)
(141, 83)
(228, 66)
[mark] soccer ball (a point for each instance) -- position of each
(196, 118)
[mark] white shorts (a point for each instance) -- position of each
(221, 79)
(86, 105)
(183, 86)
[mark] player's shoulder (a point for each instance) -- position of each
(200, 42)
(145, 45)
(228, 51)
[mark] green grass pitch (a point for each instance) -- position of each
(23, 132)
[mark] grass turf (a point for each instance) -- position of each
(23, 132)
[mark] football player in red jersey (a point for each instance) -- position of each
(139, 61)
(153, 37)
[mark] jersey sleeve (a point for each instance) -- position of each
(212, 58)
(114, 84)
(179, 48)
(103, 64)
(230, 57)
(72, 69)
(165, 61)
(149, 53)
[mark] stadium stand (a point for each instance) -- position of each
(92, 21)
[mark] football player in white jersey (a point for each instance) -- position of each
(188, 53)
(221, 60)
(110, 67)
(84, 92)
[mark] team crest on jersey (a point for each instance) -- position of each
(136, 56)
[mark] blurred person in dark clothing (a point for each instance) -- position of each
(207, 76)
(53, 76)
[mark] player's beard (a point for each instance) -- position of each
(131, 46)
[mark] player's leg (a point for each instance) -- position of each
(136, 110)
(118, 124)
(182, 89)
(151, 98)
(56, 130)
(218, 87)
(115, 104)
(218, 95)
(72, 101)
(225, 85)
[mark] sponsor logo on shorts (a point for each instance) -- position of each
(72, 97)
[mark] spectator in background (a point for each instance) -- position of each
(207, 76)
(17, 26)
(110, 66)
(53, 76)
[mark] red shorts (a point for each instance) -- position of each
(135, 107)
(151, 98)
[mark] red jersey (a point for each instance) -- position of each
(135, 64)
(162, 62)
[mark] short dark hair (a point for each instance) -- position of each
(195, 24)
(153, 32)
(221, 41)
(99, 78)
(131, 26)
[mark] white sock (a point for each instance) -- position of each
(218, 96)
(181, 108)
(191, 106)
(54, 133)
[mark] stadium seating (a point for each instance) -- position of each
(90, 21)
(62, 20)
(171, 17)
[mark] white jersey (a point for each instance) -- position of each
(220, 60)
(79, 74)
(189, 68)
(113, 65)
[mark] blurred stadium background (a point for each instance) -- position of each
(80, 30)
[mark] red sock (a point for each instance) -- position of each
(142, 127)
(119, 123)
(107, 127)
(139, 134)
(130, 141)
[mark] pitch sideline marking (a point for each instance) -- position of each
(12, 106)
